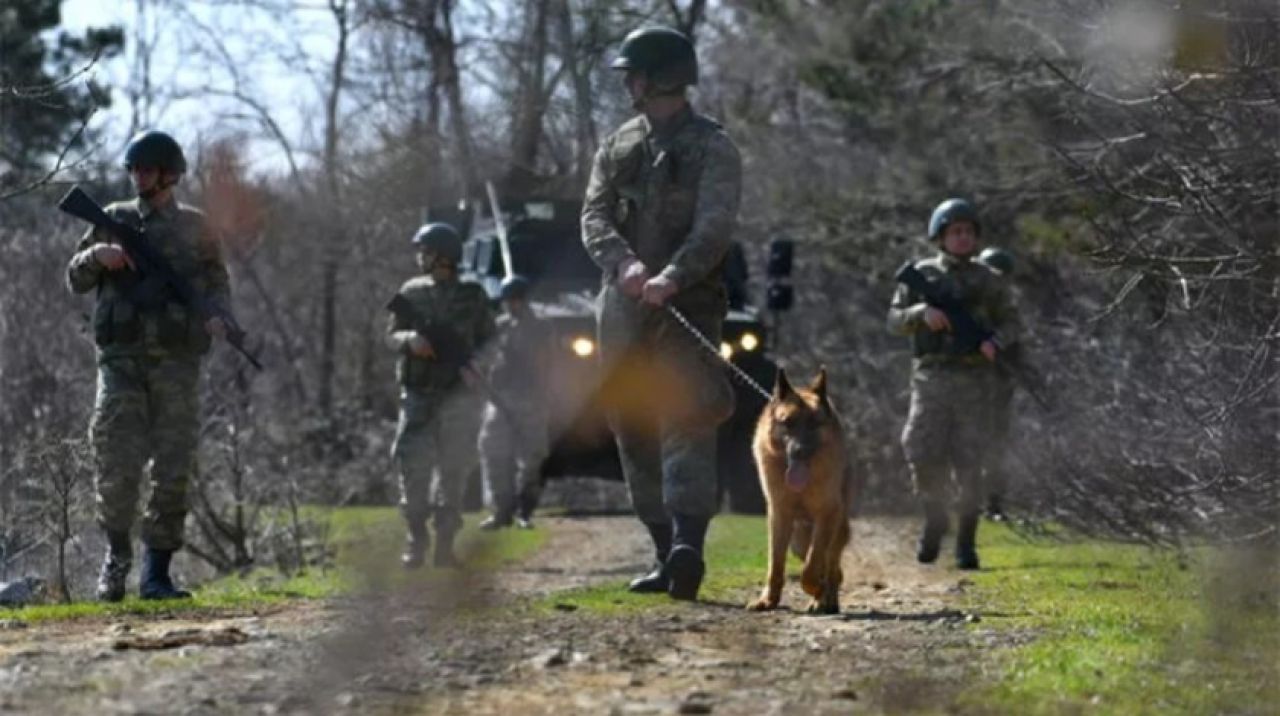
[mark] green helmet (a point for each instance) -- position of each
(951, 211)
(155, 149)
(514, 287)
(997, 259)
(665, 55)
(441, 239)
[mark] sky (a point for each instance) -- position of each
(287, 86)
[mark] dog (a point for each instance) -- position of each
(800, 454)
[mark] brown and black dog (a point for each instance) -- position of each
(800, 453)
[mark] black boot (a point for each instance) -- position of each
(415, 546)
(935, 526)
(115, 567)
(656, 580)
(524, 510)
(685, 566)
(155, 582)
(966, 536)
(500, 518)
(995, 508)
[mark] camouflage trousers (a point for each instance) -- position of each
(945, 437)
(665, 399)
(513, 444)
(434, 451)
(994, 470)
(147, 411)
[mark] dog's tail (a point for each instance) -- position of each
(801, 537)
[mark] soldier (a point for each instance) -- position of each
(994, 470)
(437, 322)
(149, 349)
(946, 428)
(659, 213)
(513, 437)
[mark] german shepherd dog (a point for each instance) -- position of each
(800, 454)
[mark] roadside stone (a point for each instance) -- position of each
(697, 702)
(12, 624)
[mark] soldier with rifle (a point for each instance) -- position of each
(162, 294)
(960, 318)
(437, 324)
(513, 437)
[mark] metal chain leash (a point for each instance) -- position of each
(715, 350)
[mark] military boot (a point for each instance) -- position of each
(524, 511)
(443, 555)
(115, 567)
(656, 580)
(415, 546)
(155, 582)
(501, 517)
(935, 526)
(966, 536)
(685, 566)
(995, 508)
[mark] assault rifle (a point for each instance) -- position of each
(968, 334)
(452, 353)
(155, 273)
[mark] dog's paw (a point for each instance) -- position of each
(763, 604)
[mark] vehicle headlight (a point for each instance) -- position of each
(583, 347)
(749, 341)
(726, 350)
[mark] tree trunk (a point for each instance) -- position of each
(329, 270)
(585, 136)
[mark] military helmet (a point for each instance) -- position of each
(949, 212)
(514, 287)
(440, 238)
(997, 259)
(664, 54)
(155, 149)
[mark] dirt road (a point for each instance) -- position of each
(477, 645)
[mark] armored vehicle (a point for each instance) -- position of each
(544, 238)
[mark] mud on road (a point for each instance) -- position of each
(477, 645)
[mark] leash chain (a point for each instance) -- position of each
(715, 350)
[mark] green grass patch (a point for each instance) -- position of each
(736, 549)
(1126, 629)
(366, 543)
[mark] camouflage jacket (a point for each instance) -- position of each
(667, 196)
(518, 365)
(461, 306)
(183, 236)
(979, 289)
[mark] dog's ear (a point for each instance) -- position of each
(781, 387)
(819, 384)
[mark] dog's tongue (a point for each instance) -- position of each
(797, 474)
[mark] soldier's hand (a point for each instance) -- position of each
(111, 257)
(216, 327)
(421, 347)
(632, 276)
(989, 350)
(936, 320)
(658, 289)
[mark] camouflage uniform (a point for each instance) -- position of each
(947, 426)
(439, 416)
(513, 438)
(147, 406)
(666, 196)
